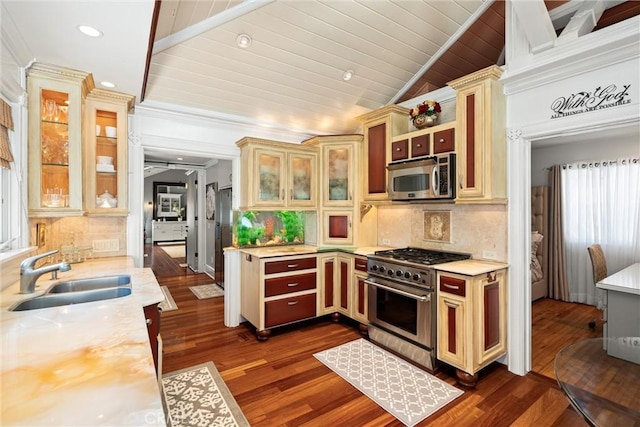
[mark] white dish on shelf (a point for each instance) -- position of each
(104, 160)
(111, 131)
(105, 168)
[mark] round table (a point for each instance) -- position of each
(604, 389)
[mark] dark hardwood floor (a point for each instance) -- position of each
(280, 383)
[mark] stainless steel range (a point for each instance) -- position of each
(402, 303)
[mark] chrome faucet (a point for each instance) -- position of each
(29, 275)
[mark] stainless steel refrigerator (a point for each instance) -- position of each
(222, 232)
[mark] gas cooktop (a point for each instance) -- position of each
(421, 256)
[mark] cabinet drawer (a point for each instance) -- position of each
(420, 145)
(452, 285)
(400, 150)
(288, 284)
(444, 141)
(289, 265)
(288, 310)
(360, 264)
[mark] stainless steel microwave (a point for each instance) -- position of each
(428, 178)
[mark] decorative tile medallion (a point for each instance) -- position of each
(405, 391)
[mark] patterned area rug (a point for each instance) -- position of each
(168, 304)
(197, 396)
(405, 391)
(207, 291)
(175, 251)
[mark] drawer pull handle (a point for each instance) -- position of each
(441, 140)
(292, 285)
(149, 321)
(398, 149)
(418, 145)
(292, 265)
(450, 286)
(292, 302)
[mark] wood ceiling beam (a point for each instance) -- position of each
(534, 21)
(208, 24)
(583, 21)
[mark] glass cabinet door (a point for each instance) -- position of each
(269, 182)
(338, 183)
(55, 143)
(302, 179)
(106, 153)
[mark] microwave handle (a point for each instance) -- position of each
(434, 181)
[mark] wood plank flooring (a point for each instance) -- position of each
(280, 383)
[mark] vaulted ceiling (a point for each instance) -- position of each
(183, 54)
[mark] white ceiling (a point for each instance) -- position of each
(291, 74)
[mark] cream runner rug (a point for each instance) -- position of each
(175, 251)
(405, 391)
(207, 291)
(197, 396)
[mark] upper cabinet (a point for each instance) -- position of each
(425, 142)
(106, 152)
(55, 105)
(74, 168)
(277, 175)
(379, 128)
(481, 137)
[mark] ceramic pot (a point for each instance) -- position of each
(423, 121)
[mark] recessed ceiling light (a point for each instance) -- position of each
(243, 40)
(348, 75)
(89, 31)
(108, 84)
(180, 158)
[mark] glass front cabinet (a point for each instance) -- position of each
(55, 104)
(77, 145)
(106, 152)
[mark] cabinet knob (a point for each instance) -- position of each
(282, 194)
(149, 321)
(441, 141)
(418, 145)
(291, 194)
(397, 148)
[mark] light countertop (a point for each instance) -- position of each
(626, 280)
(470, 267)
(275, 251)
(82, 364)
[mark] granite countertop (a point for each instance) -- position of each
(275, 251)
(470, 267)
(81, 364)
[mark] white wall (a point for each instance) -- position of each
(601, 149)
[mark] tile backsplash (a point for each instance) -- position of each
(473, 228)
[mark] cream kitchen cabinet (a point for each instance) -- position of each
(278, 291)
(424, 142)
(106, 152)
(481, 140)
(277, 175)
(359, 294)
(55, 104)
(327, 302)
(344, 278)
(471, 321)
(379, 128)
(166, 231)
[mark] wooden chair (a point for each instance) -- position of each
(599, 265)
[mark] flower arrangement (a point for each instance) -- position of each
(429, 108)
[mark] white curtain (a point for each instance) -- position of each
(601, 204)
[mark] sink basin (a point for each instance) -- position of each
(91, 283)
(68, 298)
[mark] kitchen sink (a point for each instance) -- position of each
(91, 283)
(68, 298)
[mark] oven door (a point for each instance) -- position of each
(406, 311)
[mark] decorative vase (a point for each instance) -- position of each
(423, 121)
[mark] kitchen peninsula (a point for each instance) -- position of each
(63, 365)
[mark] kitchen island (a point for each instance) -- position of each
(81, 364)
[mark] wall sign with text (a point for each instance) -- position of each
(598, 99)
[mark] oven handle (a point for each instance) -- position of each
(421, 298)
